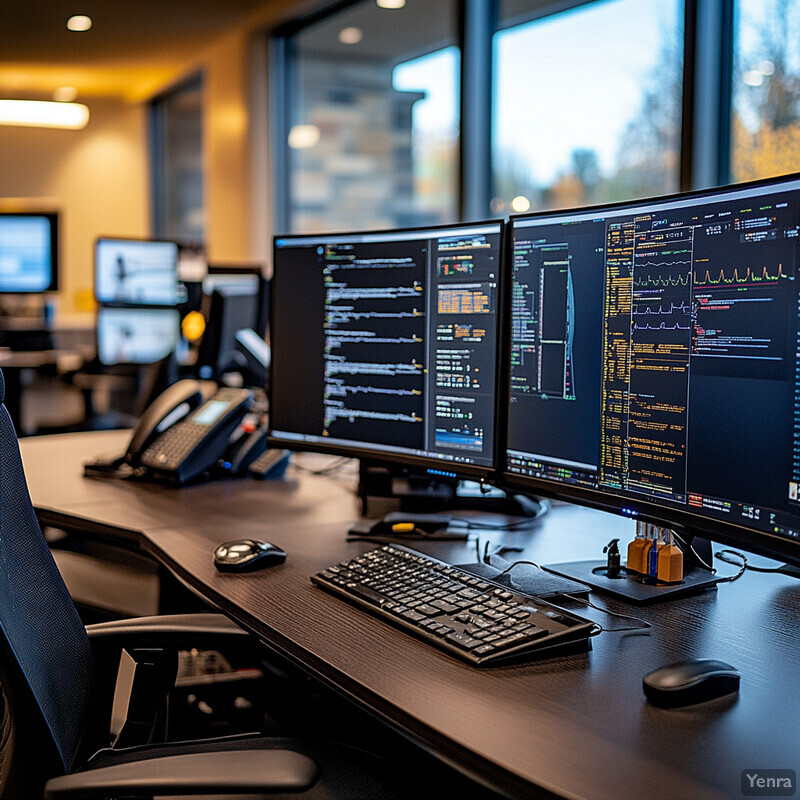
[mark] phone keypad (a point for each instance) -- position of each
(173, 446)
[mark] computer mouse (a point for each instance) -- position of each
(242, 555)
(687, 682)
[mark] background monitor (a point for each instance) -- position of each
(653, 361)
(28, 252)
(384, 345)
(136, 335)
(230, 303)
(247, 275)
(136, 272)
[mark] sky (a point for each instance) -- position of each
(550, 98)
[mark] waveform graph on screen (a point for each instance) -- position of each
(740, 276)
(739, 314)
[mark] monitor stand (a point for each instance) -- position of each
(417, 491)
(640, 589)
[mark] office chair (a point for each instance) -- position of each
(57, 684)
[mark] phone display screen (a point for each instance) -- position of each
(211, 412)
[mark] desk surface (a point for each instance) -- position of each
(575, 726)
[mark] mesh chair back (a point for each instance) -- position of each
(45, 646)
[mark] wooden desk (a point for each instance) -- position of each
(575, 726)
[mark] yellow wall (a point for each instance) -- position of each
(96, 178)
(230, 176)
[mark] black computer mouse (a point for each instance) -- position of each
(246, 554)
(687, 682)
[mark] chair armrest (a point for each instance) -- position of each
(132, 706)
(230, 772)
(177, 631)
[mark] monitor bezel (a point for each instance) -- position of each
(686, 523)
(131, 303)
(54, 220)
(436, 468)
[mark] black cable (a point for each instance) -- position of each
(723, 555)
(748, 566)
(334, 466)
(709, 567)
(643, 623)
(519, 524)
(508, 569)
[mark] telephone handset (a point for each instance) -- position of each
(174, 403)
(195, 443)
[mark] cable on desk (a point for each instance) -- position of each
(116, 468)
(643, 623)
(500, 550)
(709, 567)
(516, 564)
(329, 469)
(519, 524)
(725, 555)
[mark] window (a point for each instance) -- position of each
(765, 122)
(177, 164)
(372, 127)
(587, 103)
(422, 114)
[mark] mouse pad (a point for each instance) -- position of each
(526, 579)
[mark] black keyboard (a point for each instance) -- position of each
(473, 619)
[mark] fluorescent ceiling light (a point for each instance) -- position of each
(65, 94)
(80, 22)
(43, 114)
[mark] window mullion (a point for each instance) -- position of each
(477, 24)
(711, 112)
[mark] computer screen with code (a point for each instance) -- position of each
(653, 360)
(385, 344)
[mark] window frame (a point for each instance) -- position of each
(160, 187)
(705, 140)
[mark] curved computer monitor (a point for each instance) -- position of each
(28, 252)
(384, 345)
(139, 272)
(653, 361)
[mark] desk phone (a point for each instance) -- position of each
(194, 444)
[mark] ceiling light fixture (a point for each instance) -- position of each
(79, 23)
(302, 137)
(43, 114)
(65, 94)
(391, 3)
(350, 35)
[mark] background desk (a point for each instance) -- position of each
(13, 362)
(575, 726)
